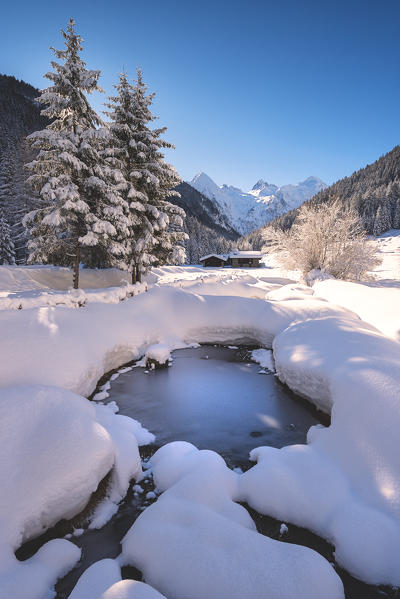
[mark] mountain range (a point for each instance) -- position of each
(246, 211)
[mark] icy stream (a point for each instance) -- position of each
(215, 398)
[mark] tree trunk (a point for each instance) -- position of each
(134, 275)
(138, 275)
(76, 265)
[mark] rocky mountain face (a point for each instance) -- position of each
(247, 211)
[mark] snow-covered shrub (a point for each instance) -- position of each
(329, 238)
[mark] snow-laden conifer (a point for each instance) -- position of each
(121, 152)
(382, 219)
(7, 251)
(82, 213)
(157, 179)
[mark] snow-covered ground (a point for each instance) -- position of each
(376, 301)
(56, 446)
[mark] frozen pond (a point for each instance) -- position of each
(215, 398)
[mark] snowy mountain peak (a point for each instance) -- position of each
(203, 180)
(313, 181)
(246, 211)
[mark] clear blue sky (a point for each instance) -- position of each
(276, 89)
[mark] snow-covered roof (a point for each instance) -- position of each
(220, 256)
(245, 254)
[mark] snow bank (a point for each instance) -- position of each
(376, 304)
(72, 298)
(33, 578)
(73, 349)
(55, 448)
(345, 484)
(53, 455)
(195, 542)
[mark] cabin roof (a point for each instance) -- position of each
(245, 254)
(234, 254)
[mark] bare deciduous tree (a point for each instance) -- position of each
(329, 238)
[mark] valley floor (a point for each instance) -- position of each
(335, 344)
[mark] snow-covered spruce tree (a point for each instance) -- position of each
(82, 212)
(121, 152)
(382, 219)
(396, 216)
(329, 238)
(7, 251)
(164, 240)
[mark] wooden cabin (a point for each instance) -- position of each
(245, 259)
(236, 259)
(214, 260)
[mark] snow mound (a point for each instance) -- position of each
(53, 454)
(33, 578)
(55, 448)
(159, 352)
(132, 589)
(196, 542)
(102, 580)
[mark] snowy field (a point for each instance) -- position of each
(336, 344)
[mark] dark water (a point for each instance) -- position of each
(215, 398)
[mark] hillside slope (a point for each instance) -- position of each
(373, 191)
(19, 116)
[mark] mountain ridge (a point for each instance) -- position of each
(247, 211)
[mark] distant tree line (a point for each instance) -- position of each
(372, 192)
